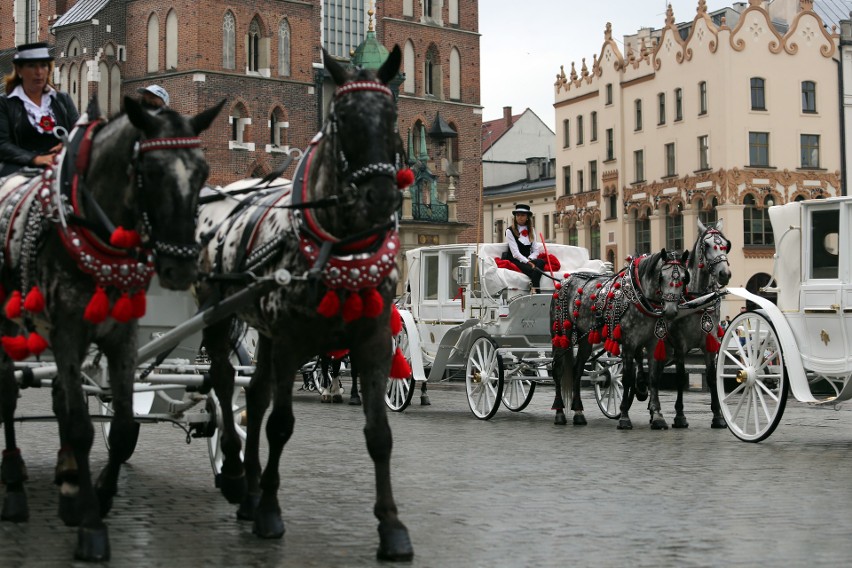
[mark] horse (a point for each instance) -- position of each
(335, 233)
(627, 312)
(709, 270)
(82, 241)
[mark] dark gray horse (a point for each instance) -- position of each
(83, 240)
(708, 272)
(335, 231)
(626, 313)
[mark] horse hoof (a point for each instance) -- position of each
(325, 398)
(105, 504)
(680, 422)
(424, 401)
(718, 422)
(248, 506)
(625, 425)
(15, 508)
(233, 488)
(579, 420)
(659, 424)
(69, 512)
(560, 420)
(268, 524)
(354, 400)
(92, 544)
(641, 394)
(337, 399)
(394, 544)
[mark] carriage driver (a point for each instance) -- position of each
(524, 250)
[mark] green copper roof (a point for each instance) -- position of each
(370, 54)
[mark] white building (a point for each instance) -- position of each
(718, 125)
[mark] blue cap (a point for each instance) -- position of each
(157, 91)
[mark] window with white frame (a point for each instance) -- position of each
(704, 152)
(638, 166)
(758, 149)
(810, 150)
(239, 121)
(661, 109)
(593, 135)
(278, 140)
(702, 97)
(229, 41)
(671, 169)
(678, 94)
(284, 48)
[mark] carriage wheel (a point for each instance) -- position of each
(484, 378)
(606, 379)
(518, 391)
(399, 392)
(214, 442)
(751, 377)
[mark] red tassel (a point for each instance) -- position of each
(97, 309)
(660, 351)
(616, 350)
(13, 306)
(605, 331)
(595, 337)
(15, 347)
(711, 344)
(36, 343)
(124, 238)
(329, 306)
(139, 303)
(373, 302)
(395, 321)
(616, 333)
(400, 369)
(122, 311)
(353, 308)
(404, 178)
(720, 332)
(34, 301)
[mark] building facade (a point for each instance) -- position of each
(715, 127)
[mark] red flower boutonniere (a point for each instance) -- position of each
(47, 123)
(525, 233)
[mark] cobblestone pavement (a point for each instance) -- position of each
(513, 491)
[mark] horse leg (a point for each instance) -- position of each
(258, 395)
(354, 397)
(657, 420)
(78, 501)
(641, 388)
(13, 471)
(279, 427)
(710, 370)
(232, 480)
(325, 391)
(424, 398)
(681, 379)
(394, 542)
(336, 389)
(124, 430)
(559, 367)
(583, 353)
(628, 382)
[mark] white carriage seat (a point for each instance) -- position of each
(495, 279)
(786, 226)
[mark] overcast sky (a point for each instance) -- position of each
(524, 43)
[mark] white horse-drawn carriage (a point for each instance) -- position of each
(803, 344)
(462, 312)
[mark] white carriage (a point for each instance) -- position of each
(803, 344)
(461, 312)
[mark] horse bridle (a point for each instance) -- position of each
(642, 301)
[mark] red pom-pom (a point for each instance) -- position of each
(140, 303)
(124, 238)
(566, 325)
(711, 344)
(97, 309)
(122, 311)
(404, 178)
(566, 275)
(660, 351)
(555, 341)
(616, 350)
(329, 306)
(373, 302)
(395, 321)
(13, 306)
(400, 369)
(555, 326)
(557, 285)
(34, 302)
(353, 308)
(564, 342)
(595, 337)
(15, 347)
(36, 343)
(556, 297)
(616, 333)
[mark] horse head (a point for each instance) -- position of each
(170, 170)
(710, 259)
(665, 274)
(360, 151)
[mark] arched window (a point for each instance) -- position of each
(253, 56)
(408, 67)
(104, 92)
(115, 90)
(171, 40)
(674, 228)
(455, 75)
(407, 7)
(284, 48)
(453, 11)
(432, 73)
(74, 85)
(573, 236)
(453, 146)
(229, 41)
(757, 230)
(707, 214)
(63, 79)
(595, 241)
(153, 43)
(808, 96)
(642, 233)
(240, 129)
(74, 48)
(278, 131)
(758, 94)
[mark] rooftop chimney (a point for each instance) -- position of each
(507, 115)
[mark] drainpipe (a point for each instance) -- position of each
(841, 96)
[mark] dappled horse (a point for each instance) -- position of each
(626, 313)
(82, 241)
(335, 232)
(708, 271)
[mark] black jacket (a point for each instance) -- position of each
(12, 117)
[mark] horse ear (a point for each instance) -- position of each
(719, 225)
(202, 121)
(684, 257)
(701, 227)
(139, 117)
(93, 110)
(334, 69)
(390, 67)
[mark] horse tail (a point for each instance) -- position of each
(236, 333)
(568, 377)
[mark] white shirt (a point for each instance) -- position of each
(34, 111)
(536, 250)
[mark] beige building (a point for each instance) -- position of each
(714, 122)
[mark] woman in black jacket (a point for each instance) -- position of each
(30, 110)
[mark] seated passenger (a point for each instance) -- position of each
(524, 251)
